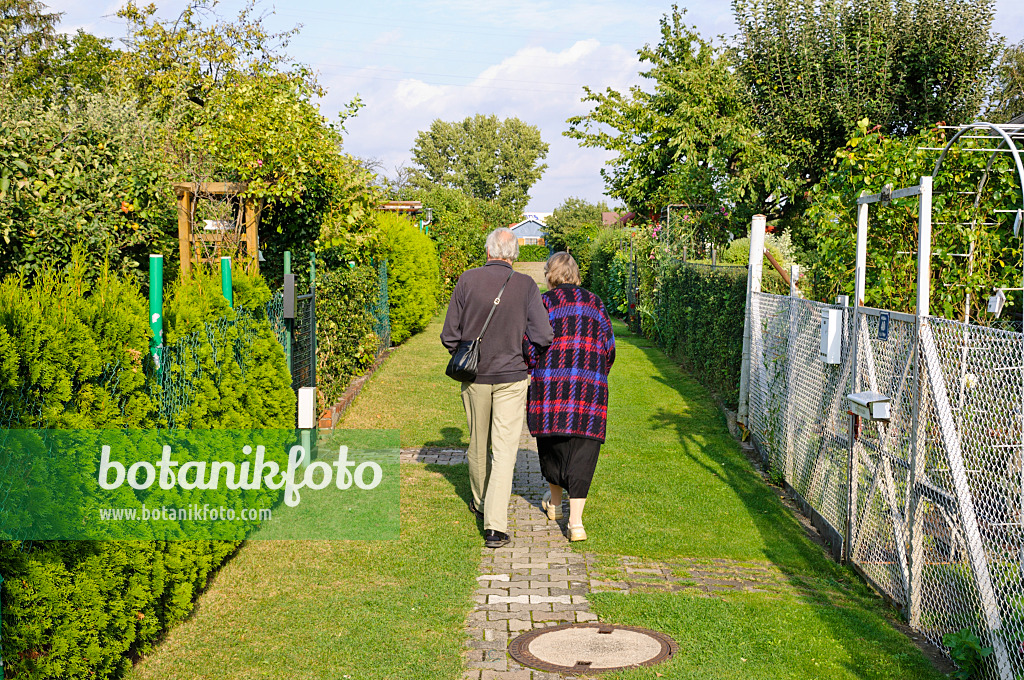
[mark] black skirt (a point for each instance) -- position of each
(569, 462)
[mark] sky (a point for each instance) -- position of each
(414, 62)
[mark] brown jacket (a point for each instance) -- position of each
(519, 313)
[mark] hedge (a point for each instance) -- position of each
(413, 275)
(74, 354)
(346, 342)
(533, 253)
(698, 319)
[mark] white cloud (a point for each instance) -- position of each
(540, 86)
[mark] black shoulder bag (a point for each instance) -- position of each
(462, 365)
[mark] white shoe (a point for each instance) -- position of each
(554, 511)
(577, 533)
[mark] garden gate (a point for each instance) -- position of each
(934, 518)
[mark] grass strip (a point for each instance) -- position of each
(308, 610)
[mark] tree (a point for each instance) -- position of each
(572, 226)
(686, 137)
(167, 61)
(812, 69)
(1007, 99)
(27, 34)
(496, 160)
(35, 60)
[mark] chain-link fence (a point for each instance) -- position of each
(380, 309)
(938, 501)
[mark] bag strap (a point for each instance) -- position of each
(495, 305)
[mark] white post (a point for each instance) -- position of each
(755, 262)
(862, 254)
(852, 468)
(924, 248)
(917, 451)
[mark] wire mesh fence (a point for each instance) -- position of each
(380, 309)
(937, 521)
(303, 343)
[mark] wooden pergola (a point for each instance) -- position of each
(241, 242)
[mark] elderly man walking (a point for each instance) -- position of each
(496, 401)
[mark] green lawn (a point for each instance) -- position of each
(317, 610)
(671, 484)
(411, 393)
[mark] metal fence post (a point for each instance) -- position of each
(756, 260)
(791, 363)
(225, 280)
(156, 310)
(289, 319)
(312, 319)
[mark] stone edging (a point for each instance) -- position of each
(330, 417)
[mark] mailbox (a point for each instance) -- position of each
(288, 311)
(869, 405)
(831, 335)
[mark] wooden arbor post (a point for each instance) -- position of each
(191, 244)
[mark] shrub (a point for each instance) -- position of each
(609, 269)
(255, 394)
(74, 354)
(698, 319)
(533, 253)
(413, 275)
(346, 344)
(459, 228)
(88, 172)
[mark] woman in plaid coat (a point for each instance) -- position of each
(567, 403)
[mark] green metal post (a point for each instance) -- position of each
(312, 318)
(289, 324)
(225, 280)
(156, 310)
(1, 647)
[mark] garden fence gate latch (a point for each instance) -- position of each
(886, 195)
(289, 297)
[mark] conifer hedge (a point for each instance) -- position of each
(74, 354)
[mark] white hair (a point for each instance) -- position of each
(502, 244)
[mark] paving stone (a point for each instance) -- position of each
(536, 582)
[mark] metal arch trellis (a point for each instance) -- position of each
(1003, 138)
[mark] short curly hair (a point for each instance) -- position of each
(562, 268)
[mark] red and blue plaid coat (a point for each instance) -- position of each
(568, 392)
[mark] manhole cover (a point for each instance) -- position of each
(591, 648)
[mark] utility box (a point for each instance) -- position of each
(307, 408)
(831, 335)
(869, 405)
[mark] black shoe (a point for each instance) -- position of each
(496, 539)
(475, 510)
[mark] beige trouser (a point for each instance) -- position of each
(495, 415)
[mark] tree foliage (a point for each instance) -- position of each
(187, 58)
(572, 226)
(686, 137)
(496, 160)
(812, 69)
(92, 172)
(1007, 98)
(973, 251)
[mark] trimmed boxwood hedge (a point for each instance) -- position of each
(74, 354)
